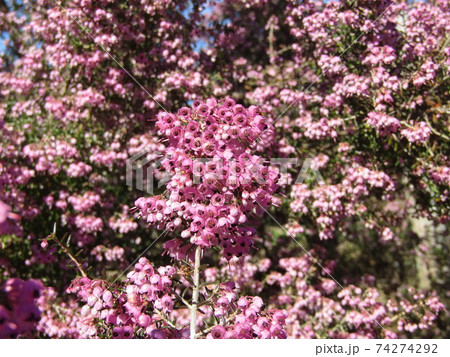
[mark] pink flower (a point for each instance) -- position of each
(218, 332)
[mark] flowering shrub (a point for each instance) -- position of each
(298, 152)
(323, 309)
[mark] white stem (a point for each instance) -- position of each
(195, 293)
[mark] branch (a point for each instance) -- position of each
(271, 42)
(434, 131)
(67, 252)
(195, 293)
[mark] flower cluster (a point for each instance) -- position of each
(136, 305)
(7, 219)
(329, 310)
(419, 133)
(249, 321)
(143, 307)
(331, 204)
(384, 124)
(215, 182)
(19, 312)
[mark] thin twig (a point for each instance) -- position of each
(182, 300)
(69, 254)
(228, 319)
(161, 315)
(434, 131)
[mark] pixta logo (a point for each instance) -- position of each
(142, 169)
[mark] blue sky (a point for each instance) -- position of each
(3, 36)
